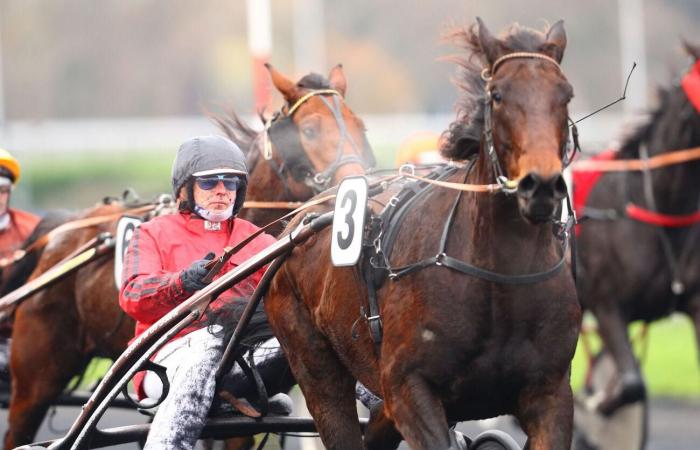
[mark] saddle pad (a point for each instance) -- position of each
(584, 181)
(691, 85)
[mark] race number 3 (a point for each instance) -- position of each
(349, 221)
(125, 230)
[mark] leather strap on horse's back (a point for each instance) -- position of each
(380, 244)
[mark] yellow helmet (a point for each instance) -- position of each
(7, 161)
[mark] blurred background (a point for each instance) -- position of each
(96, 96)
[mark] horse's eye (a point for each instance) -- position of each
(496, 96)
(309, 132)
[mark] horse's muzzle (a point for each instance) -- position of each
(539, 197)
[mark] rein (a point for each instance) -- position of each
(631, 165)
(70, 226)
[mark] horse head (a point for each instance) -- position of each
(315, 140)
(526, 133)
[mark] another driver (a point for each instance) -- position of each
(15, 225)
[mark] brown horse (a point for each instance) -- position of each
(315, 140)
(632, 269)
(454, 346)
(313, 149)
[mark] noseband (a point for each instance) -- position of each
(510, 186)
(317, 181)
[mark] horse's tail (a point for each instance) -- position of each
(235, 129)
(20, 271)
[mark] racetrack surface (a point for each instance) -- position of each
(674, 425)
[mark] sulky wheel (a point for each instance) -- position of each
(494, 440)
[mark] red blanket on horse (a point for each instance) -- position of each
(584, 181)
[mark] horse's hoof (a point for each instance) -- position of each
(629, 389)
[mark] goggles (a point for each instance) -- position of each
(5, 189)
(209, 182)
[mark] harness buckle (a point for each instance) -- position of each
(407, 169)
(439, 258)
(320, 179)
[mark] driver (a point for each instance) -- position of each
(165, 264)
(15, 227)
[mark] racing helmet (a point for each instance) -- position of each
(9, 167)
(208, 155)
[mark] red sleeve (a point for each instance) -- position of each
(148, 292)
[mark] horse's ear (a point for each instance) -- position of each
(556, 41)
(283, 84)
(490, 45)
(693, 50)
(337, 79)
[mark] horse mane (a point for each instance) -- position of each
(674, 115)
(235, 129)
(462, 139)
(313, 81)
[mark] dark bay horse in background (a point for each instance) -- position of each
(315, 140)
(454, 347)
(634, 270)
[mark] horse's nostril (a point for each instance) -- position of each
(560, 188)
(528, 184)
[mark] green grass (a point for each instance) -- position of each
(670, 362)
(80, 180)
(77, 181)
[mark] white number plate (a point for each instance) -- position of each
(349, 221)
(125, 230)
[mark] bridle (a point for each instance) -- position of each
(510, 186)
(317, 181)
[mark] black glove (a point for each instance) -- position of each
(192, 277)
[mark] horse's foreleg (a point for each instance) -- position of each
(44, 358)
(545, 412)
(629, 386)
(328, 387)
(381, 434)
(417, 413)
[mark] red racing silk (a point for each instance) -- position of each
(21, 226)
(162, 248)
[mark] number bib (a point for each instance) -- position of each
(349, 221)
